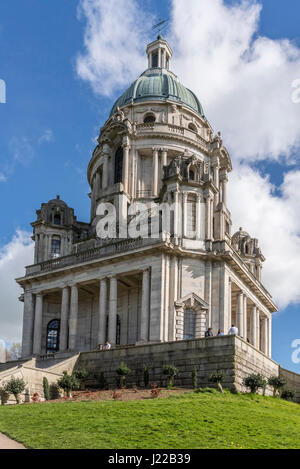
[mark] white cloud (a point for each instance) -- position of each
(114, 43)
(274, 219)
(46, 137)
(2, 177)
(243, 80)
(13, 257)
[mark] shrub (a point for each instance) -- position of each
(81, 374)
(54, 391)
(155, 392)
(15, 386)
(195, 378)
(277, 383)
(68, 383)
(288, 394)
(217, 377)
(254, 382)
(116, 395)
(4, 395)
(102, 381)
(171, 371)
(46, 388)
(35, 397)
(122, 372)
(146, 376)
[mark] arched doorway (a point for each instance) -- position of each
(52, 341)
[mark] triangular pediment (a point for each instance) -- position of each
(192, 300)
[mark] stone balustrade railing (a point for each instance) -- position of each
(89, 255)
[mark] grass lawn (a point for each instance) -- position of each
(192, 420)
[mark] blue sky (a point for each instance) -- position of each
(52, 117)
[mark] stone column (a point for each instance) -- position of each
(265, 335)
(105, 172)
(229, 321)
(245, 318)
(270, 337)
(126, 149)
(155, 172)
(253, 322)
(97, 185)
(257, 329)
(63, 336)
(177, 230)
(185, 213)
(240, 313)
(28, 322)
(144, 324)
(112, 318)
(164, 157)
(208, 211)
(73, 317)
(102, 312)
(198, 217)
(38, 323)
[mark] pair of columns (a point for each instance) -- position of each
(155, 166)
(259, 334)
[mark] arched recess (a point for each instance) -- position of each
(52, 338)
(118, 176)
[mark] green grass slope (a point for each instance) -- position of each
(193, 420)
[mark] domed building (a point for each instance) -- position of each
(157, 159)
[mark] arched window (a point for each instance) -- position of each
(57, 219)
(189, 324)
(192, 175)
(55, 246)
(155, 60)
(53, 328)
(192, 127)
(149, 119)
(119, 165)
(118, 330)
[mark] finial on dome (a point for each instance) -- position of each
(57, 197)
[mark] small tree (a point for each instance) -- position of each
(122, 372)
(146, 376)
(277, 383)
(68, 383)
(102, 381)
(46, 388)
(217, 377)
(195, 378)
(171, 371)
(288, 394)
(81, 374)
(15, 386)
(254, 382)
(4, 395)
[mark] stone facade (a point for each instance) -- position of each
(157, 147)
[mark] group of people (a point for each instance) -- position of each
(107, 346)
(232, 331)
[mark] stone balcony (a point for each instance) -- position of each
(88, 255)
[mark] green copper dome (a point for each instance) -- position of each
(158, 84)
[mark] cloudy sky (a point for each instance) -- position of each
(64, 63)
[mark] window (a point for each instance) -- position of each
(191, 175)
(192, 127)
(57, 219)
(155, 60)
(53, 328)
(119, 166)
(149, 119)
(55, 246)
(189, 324)
(118, 331)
